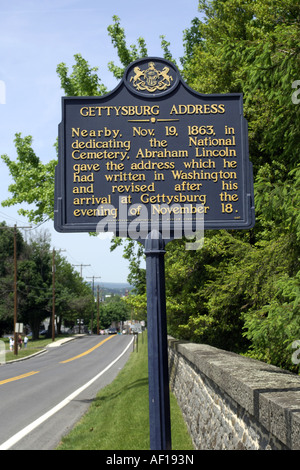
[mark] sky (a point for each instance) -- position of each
(37, 35)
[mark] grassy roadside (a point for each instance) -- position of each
(32, 347)
(118, 419)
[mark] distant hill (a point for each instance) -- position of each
(115, 285)
(117, 288)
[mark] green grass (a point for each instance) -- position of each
(118, 418)
(32, 347)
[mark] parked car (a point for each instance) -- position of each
(112, 331)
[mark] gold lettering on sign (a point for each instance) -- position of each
(153, 163)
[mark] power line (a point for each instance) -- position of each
(92, 317)
(5, 216)
(93, 277)
(81, 265)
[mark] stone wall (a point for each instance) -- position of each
(231, 402)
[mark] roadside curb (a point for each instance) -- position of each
(55, 344)
(44, 350)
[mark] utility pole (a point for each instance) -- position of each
(15, 284)
(92, 319)
(15, 292)
(53, 293)
(81, 267)
(94, 277)
(98, 304)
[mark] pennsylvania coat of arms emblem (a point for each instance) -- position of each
(151, 79)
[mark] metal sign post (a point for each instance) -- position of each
(159, 400)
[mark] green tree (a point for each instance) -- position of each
(33, 181)
(83, 81)
(67, 288)
(7, 274)
(73, 297)
(114, 309)
(34, 284)
(126, 55)
(252, 48)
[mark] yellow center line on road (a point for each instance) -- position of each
(87, 352)
(19, 377)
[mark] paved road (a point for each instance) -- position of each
(43, 397)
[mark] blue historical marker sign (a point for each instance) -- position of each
(145, 161)
(153, 153)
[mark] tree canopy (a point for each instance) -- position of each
(244, 287)
(73, 297)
